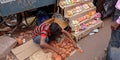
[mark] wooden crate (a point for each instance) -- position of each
(62, 23)
(84, 33)
(81, 14)
(68, 7)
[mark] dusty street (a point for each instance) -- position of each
(94, 45)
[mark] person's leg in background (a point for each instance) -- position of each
(115, 36)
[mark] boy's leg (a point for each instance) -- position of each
(37, 40)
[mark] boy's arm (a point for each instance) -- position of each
(46, 45)
(69, 36)
(115, 24)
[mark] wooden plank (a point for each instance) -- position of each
(78, 14)
(26, 45)
(28, 52)
(86, 32)
(40, 55)
(62, 23)
(24, 51)
(75, 4)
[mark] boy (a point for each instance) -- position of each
(47, 32)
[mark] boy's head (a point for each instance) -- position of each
(55, 29)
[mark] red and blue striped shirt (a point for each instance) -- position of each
(42, 30)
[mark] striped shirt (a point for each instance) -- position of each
(42, 30)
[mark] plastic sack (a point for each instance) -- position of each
(109, 7)
(42, 16)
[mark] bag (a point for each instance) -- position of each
(42, 16)
(109, 7)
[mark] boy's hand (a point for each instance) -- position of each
(75, 44)
(114, 26)
(57, 50)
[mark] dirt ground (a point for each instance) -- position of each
(94, 45)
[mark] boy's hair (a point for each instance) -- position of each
(55, 29)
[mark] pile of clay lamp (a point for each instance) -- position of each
(66, 47)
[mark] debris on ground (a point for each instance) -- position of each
(5, 29)
(94, 31)
(24, 37)
(6, 44)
